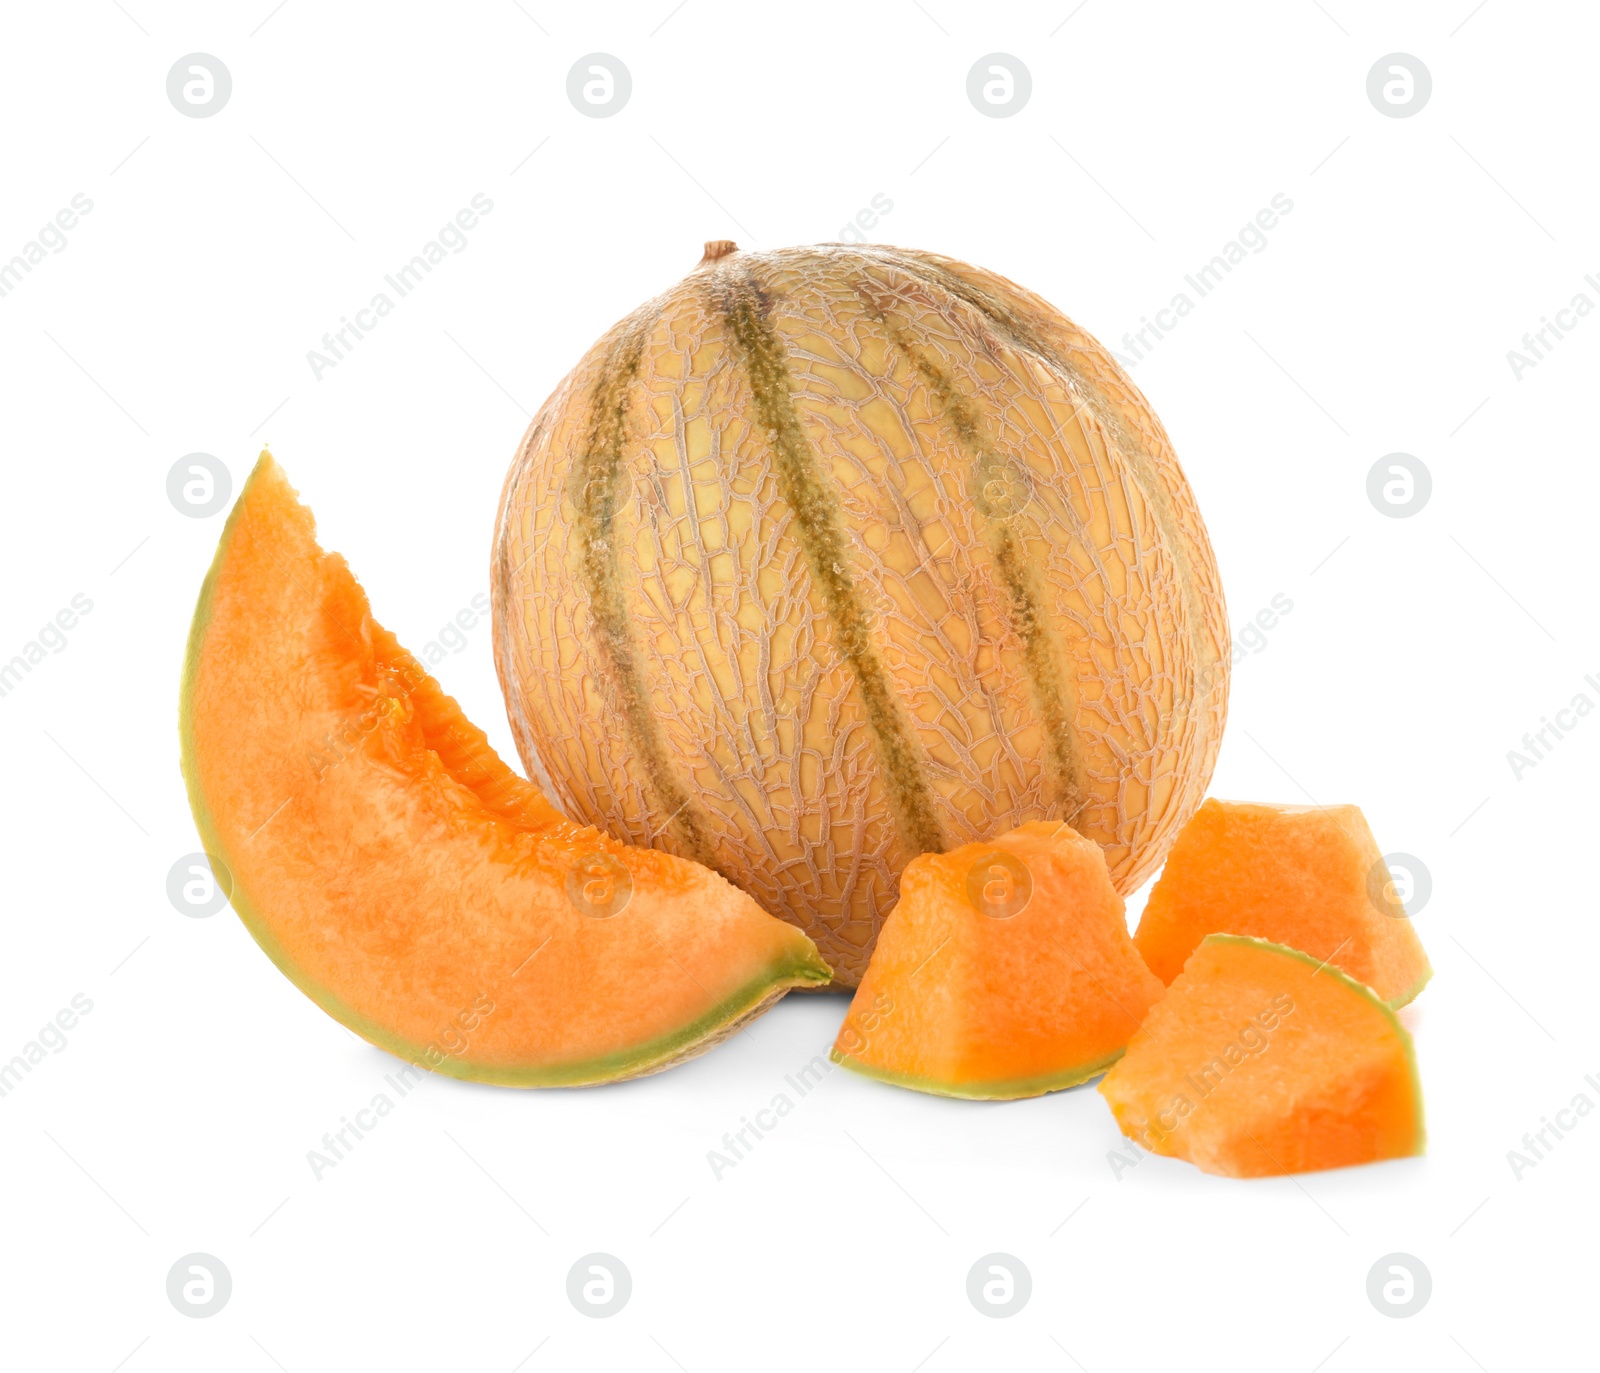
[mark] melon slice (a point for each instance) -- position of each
(1311, 877)
(405, 878)
(1262, 1060)
(1004, 971)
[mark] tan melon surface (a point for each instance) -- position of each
(1006, 971)
(833, 556)
(1311, 877)
(1261, 1060)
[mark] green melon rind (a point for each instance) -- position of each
(652, 1056)
(1011, 1089)
(1362, 990)
(1414, 990)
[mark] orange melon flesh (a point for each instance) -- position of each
(1311, 877)
(1261, 1060)
(964, 1003)
(404, 877)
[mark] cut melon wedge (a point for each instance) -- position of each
(1311, 877)
(405, 878)
(1261, 1060)
(1004, 971)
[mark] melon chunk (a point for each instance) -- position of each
(1311, 877)
(1262, 1060)
(1004, 971)
(405, 878)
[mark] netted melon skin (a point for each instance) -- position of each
(831, 556)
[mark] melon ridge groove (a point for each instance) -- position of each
(1018, 333)
(593, 489)
(745, 307)
(1028, 619)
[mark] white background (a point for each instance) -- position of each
(1417, 653)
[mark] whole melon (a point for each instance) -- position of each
(834, 555)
